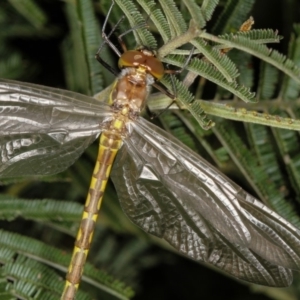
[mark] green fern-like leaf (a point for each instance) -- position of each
(220, 61)
(198, 14)
(233, 15)
(269, 77)
(142, 35)
(259, 36)
(157, 18)
(208, 71)
(208, 7)
(53, 257)
(176, 21)
(273, 57)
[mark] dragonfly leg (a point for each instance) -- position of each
(106, 38)
(166, 92)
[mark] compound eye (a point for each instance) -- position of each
(137, 59)
(155, 67)
(131, 58)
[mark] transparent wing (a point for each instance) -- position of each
(171, 192)
(44, 130)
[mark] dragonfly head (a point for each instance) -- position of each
(144, 60)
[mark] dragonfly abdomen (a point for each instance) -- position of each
(110, 143)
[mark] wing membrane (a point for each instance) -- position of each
(163, 186)
(44, 130)
(171, 192)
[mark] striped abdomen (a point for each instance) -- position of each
(110, 143)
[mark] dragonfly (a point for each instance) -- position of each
(163, 187)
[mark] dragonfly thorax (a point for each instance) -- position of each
(131, 90)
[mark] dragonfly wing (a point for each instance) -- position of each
(171, 192)
(44, 130)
